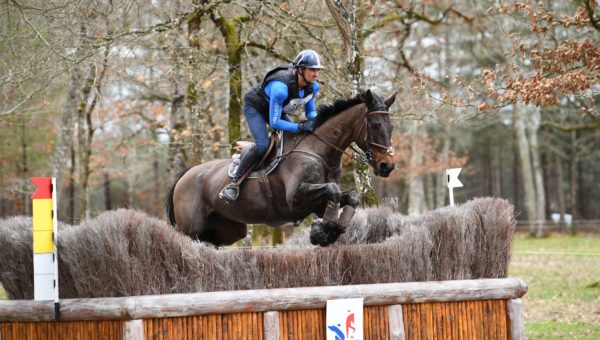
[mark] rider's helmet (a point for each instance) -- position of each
(309, 59)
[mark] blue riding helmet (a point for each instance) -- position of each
(308, 59)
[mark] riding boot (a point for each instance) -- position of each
(231, 191)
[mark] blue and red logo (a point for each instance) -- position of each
(350, 330)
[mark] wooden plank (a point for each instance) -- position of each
(174, 305)
(396, 319)
(493, 333)
(515, 317)
(504, 331)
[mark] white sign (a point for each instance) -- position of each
(452, 178)
(452, 182)
(345, 319)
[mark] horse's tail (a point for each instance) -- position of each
(169, 202)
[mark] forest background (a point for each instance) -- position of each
(114, 98)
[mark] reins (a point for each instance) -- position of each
(367, 158)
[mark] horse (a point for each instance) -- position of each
(305, 181)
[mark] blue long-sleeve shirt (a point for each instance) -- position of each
(277, 93)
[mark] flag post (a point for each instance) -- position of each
(45, 231)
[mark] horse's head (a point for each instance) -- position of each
(376, 142)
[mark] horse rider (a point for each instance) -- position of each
(283, 90)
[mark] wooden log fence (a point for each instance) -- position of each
(462, 309)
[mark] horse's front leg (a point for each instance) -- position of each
(326, 231)
(349, 201)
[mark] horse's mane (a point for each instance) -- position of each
(327, 111)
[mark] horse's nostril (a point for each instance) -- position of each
(386, 166)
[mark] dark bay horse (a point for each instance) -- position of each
(305, 182)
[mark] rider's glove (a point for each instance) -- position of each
(307, 126)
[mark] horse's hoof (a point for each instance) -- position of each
(325, 233)
(318, 237)
(334, 231)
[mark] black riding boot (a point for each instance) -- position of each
(230, 191)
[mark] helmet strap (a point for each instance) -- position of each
(301, 72)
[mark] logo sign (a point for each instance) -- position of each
(345, 319)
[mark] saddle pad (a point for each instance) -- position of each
(268, 169)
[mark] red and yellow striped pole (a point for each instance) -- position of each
(45, 260)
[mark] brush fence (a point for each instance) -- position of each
(465, 309)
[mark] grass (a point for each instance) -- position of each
(2, 294)
(563, 300)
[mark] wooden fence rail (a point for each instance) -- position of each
(464, 309)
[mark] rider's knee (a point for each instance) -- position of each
(262, 146)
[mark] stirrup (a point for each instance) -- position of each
(230, 186)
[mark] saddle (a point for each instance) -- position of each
(267, 163)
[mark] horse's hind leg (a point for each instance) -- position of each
(222, 231)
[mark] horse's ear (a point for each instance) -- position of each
(368, 96)
(390, 100)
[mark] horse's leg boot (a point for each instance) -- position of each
(331, 212)
(346, 216)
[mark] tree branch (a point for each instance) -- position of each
(574, 127)
(592, 15)
(266, 48)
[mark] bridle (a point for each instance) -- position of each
(368, 155)
(368, 141)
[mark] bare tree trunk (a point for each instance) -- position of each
(196, 123)
(177, 156)
(64, 152)
(230, 31)
(487, 169)
(429, 186)
(276, 236)
(91, 93)
(24, 169)
(71, 185)
(131, 176)
(440, 188)
(416, 192)
(547, 190)
(515, 174)
(193, 96)
(560, 193)
(178, 122)
(581, 192)
(85, 134)
(348, 23)
(525, 162)
(107, 195)
(533, 127)
(157, 184)
(497, 172)
(573, 176)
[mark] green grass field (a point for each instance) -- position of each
(563, 300)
